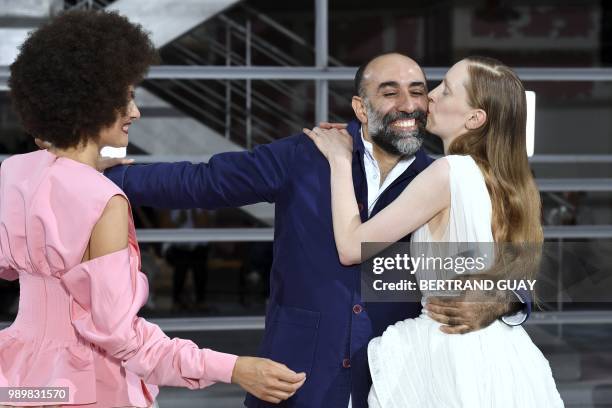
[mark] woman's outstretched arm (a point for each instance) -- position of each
(427, 195)
(108, 290)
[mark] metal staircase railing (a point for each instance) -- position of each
(215, 103)
(86, 4)
(244, 112)
(240, 88)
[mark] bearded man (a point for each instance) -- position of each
(317, 321)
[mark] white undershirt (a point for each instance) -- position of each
(375, 189)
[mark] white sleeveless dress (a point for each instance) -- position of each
(414, 364)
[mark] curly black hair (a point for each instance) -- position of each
(72, 75)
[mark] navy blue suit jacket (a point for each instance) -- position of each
(313, 323)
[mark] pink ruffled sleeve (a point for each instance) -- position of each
(6, 272)
(107, 293)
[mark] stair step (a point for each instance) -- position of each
(596, 393)
(565, 362)
(566, 366)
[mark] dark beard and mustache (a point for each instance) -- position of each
(396, 142)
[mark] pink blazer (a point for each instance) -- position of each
(77, 324)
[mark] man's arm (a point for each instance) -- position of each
(467, 315)
(227, 180)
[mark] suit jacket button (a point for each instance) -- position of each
(357, 309)
(346, 363)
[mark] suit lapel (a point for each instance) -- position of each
(359, 179)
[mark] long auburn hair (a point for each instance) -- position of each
(499, 149)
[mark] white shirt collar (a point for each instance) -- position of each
(373, 172)
(369, 150)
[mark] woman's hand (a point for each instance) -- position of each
(332, 125)
(265, 379)
(103, 162)
(333, 143)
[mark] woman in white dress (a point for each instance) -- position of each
(481, 191)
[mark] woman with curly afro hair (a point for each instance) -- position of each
(67, 234)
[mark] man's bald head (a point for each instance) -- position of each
(391, 103)
(365, 70)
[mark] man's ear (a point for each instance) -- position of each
(359, 109)
(477, 118)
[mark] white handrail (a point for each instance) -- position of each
(544, 74)
(267, 234)
(535, 159)
(233, 323)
